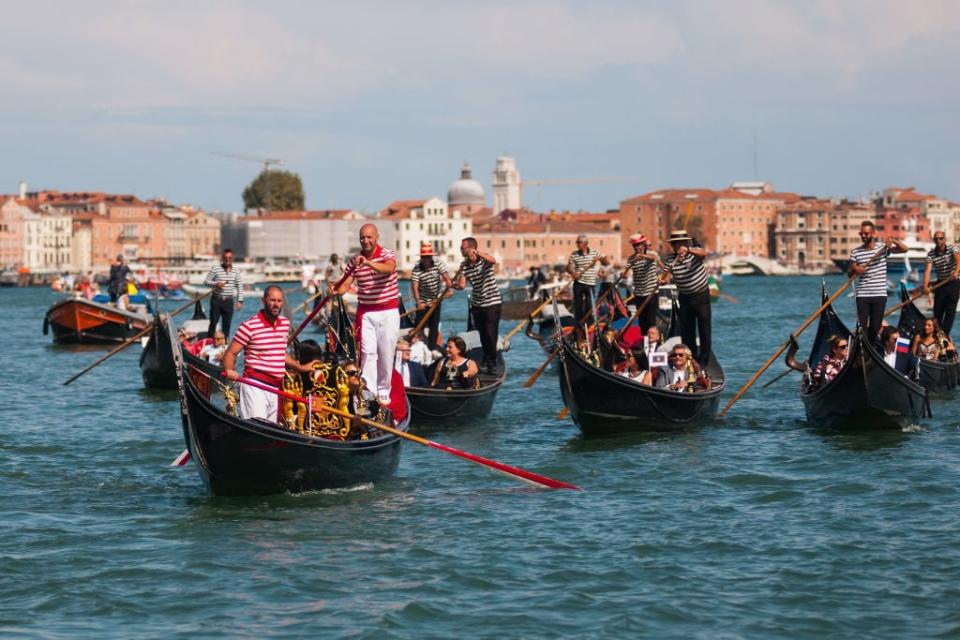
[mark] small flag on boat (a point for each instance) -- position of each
(181, 459)
(903, 345)
(658, 359)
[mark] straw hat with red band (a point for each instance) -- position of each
(426, 249)
(638, 238)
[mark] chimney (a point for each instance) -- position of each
(23, 190)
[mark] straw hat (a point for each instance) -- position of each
(679, 236)
(426, 249)
(638, 238)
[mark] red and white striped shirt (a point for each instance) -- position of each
(264, 347)
(375, 291)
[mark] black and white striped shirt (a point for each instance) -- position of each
(644, 273)
(233, 282)
(584, 262)
(485, 292)
(689, 274)
(429, 281)
(873, 281)
(945, 263)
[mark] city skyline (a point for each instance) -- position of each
(378, 102)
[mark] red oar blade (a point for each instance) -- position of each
(181, 459)
(529, 477)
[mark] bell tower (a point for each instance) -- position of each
(506, 185)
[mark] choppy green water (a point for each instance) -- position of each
(759, 526)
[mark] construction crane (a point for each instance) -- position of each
(537, 183)
(266, 162)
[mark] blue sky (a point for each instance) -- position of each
(384, 100)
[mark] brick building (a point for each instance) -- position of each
(518, 245)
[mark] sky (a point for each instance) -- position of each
(375, 101)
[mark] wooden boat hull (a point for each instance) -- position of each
(601, 402)
(77, 320)
(249, 457)
(867, 393)
(156, 360)
(936, 376)
(430, 405)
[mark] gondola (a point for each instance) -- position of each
(156, 360)
(78, 320)
(251, 457)
(867, 393)
(602, 402)
(936, 376)
(429, 404)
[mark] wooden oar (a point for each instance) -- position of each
(913, 298)
(796, 333)
(727, 296)
(433, 307)
(636, 314)
(563, 413)
(513, 472)
(532, 380)
(130, 341)
(318, 308)
(778, 378)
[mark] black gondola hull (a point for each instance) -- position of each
(936, 376)
(601, 402)
(156, 360)
(441, 404)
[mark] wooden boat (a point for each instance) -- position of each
(156, 360)
(867, 393)
(429, 404)
(248, 457)
(602, 402)
(78, 320)
(935, 375)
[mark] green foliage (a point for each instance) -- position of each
(284, 188)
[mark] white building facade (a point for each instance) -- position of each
(414, 222)
(506, 185)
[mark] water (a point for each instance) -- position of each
(758, 526)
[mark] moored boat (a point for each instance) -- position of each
(867, 393)
(935, 375)
(78, 320)
(157, 366)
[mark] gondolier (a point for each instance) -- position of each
(263, 340)
(685, 266)
(227, 294)
(485, 300)
(374, 269)
(117, 284)
(943, 257)
(583, 266)
(645, 267)
(427, 281)
(872, 286)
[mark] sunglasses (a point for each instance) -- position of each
(351, 373)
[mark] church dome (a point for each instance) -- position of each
(466, 190)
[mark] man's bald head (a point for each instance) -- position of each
(368, 238)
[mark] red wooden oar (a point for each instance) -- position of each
(506, 469)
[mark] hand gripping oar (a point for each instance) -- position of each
(433, 307)
(914, 297)
(136, 337)
(796, 333)
(508, 470)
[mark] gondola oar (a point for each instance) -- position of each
(778, 378)
(133, 339)
(913, 298)
(317, 309)
(793, 336)
(433, 307)
(513, 472)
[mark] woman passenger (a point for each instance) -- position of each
(456, 371)
(832, 362)
(932, 344)
(637, 367)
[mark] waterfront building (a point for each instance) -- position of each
(903, 224)
(294, 235)
(506, 185)
(518, 245)
(466, 195)
(201, 234)
(845, 220)
(11, 234)
(405, 224)
(802, 233)
(34, 239)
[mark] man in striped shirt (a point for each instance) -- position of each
(645, 266)
(872, 286)
(685, 267)
(582, 265)
(485, 300)
(943, 257)
(374, 270)
(227, 293)
(263, 340)
(426, 279)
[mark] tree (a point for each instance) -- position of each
(275, 190)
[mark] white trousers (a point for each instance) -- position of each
(379, 332)
(257, 403)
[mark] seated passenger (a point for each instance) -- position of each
(682, 372)
(896, 353)
(832, 362)
(412, 372)
(654, 340)
(456, 371)
(214, 352)
(636, 367)
(420, 352)
(932, 344)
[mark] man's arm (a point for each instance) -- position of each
(387, 266)
(926, 276)
(292, 363)
(211, 279)
(896, 246)
(571, 268)
(698, 252)
(486, 257)
(238, 283)
(230, 359)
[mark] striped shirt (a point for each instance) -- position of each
(689, 274)
(583, 263)
(429, 281)
(873, 281)
(644, 273)
(375, 291)
(485, 292)
(264, 347)
(945, 263)
(232, 282)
